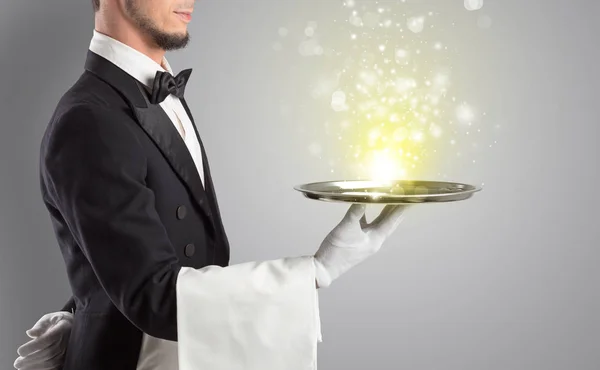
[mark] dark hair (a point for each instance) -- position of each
(96, 5)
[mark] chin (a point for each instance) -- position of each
(174, 30)
(179, 29)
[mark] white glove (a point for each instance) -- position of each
(353, 240)
(47, 348)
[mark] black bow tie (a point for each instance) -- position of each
(165, 84)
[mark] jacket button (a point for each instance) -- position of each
(189, 250)
(181, 212)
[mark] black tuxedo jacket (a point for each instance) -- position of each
(128, 209)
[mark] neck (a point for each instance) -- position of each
(128, 35)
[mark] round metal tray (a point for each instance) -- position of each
(387, 192)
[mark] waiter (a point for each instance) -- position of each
(127, 184)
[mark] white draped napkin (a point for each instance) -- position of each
(249, 316)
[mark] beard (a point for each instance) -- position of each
(164, 40)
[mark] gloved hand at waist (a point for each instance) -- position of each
(48, 344)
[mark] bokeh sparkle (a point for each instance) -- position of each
(390, 90)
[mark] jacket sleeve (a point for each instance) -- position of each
(95, 172)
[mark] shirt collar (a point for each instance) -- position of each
(136, 64)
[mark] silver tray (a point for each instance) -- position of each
(387, 192)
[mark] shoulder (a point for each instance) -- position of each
(92, 135)
(89, 109)
(92, 123)
(92, 97)
(92, 117)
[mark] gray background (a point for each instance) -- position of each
(506, 280)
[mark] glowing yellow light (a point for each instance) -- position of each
(392, 93)
(384, 167)
(374, 134)
(381, 110)
(400, 134)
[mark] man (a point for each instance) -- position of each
(127, 183)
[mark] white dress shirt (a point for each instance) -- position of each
(143, 68)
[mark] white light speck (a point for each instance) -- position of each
(464, 113)
(415, 24)
(473, 4)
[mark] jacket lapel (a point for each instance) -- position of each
(159, 127)
(157, 124)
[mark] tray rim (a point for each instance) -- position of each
(474, 189)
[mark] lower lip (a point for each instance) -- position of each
(184, 17)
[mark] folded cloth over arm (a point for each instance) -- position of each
(249, 316)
